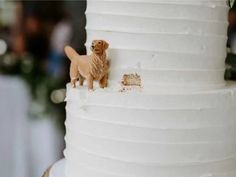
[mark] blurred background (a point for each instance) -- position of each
(33, 75)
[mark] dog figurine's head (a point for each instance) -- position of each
(99, 47)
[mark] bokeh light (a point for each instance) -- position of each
(3, 47)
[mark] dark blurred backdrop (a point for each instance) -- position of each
(230, 73)
(33, 75)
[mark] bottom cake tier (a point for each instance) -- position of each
(136, 134)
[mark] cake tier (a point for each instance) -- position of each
(140, 134)
(169, 43)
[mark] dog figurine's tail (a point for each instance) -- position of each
(71, 53)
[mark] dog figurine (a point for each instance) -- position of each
(92, 67)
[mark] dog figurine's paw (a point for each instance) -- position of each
(90, 90)
(73, 83)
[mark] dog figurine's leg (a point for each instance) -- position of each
(73, 82)
(104, 81)
(81, 80)
(90, 82)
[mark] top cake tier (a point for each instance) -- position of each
(171, 44)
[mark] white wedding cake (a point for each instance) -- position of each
(181, 121)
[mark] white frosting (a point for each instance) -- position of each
(124, 134)
(182, 122)
(177, 43)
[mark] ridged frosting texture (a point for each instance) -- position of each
(169, 43)
(136, 134)
(182, 122)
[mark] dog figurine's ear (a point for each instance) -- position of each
(105, 45)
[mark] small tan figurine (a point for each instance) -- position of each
(90, 67)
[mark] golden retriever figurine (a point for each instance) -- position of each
(90, 67)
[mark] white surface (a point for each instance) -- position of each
(171, 44)
(14, 128)
(49, 149)
(58, 169)
(140, 134)
(27, 146)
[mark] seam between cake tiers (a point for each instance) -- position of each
(140, 107)
(169, 107)
(130, 107)
(156, 109)
(193, 88)
(153, 163)
(230, 90)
